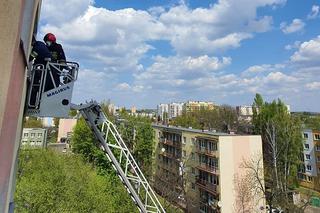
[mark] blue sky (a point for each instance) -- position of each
(143, 53)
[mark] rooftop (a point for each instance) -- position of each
(207, 132)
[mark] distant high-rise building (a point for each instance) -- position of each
(163, 111)
(201, 170)
(34, 138)
(244, 112)
(309, 173)
(175, 109)
(133, 110)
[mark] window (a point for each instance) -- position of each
(309, 178)
(184, 140)
(193, 171)
(39, 134)
(307, 157)
(305, 135)
(25, 134)
(317, 137)
(193, 186)
(318, 158)
(306, 146)
(318, 148)
(184, 153)
(309, 168)
(192, 155)
(33, 134)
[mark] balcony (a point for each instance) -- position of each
(205, 151)
(209, 208)
(208, 168)
(175, 144)
(170, 155)
(205, 185)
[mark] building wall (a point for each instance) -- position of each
(66, 127)
(13, 63)
(317, 157)
(230, 152)
(310, 178)
(34, 137)
(233, 150)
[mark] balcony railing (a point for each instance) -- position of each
(205, 185)
(170, 155)
(210, 207)
(176, 144)
(208, 168)
(206, 151)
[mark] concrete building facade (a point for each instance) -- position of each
(175, 109)
(18, 22)
(309, 173)
(163, 111)
(198, 170)
(34, 138)
(244, 112)
(191, 106)
(65, 131)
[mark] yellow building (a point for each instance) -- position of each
(192, 106)
(199, 170)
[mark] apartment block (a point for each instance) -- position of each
(309, 173)
(198, 170)
(192, 106)
(175, 109)
(163, 110)
(244, 112)
(34, 138)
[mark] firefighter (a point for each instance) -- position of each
(58, 56)
(56, 49)
(41, 55)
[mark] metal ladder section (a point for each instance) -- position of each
(119, 155)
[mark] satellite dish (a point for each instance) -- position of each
(163, 150)
(219, 204)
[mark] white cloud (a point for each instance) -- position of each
(123, 87)
(313, 86)
(295, 26)
(58, 12)
(314, 12)
(262, 69)
(295, 45)
(308, 52)
(112, 44)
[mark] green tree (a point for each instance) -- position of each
(84, 142)
(282, 146)
(32, 122)
(51, 182)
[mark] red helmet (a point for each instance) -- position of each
(50, 37)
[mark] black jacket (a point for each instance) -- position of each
(57, 52)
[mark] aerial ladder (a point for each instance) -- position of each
(56, 102)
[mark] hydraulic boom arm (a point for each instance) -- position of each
(120, 157)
